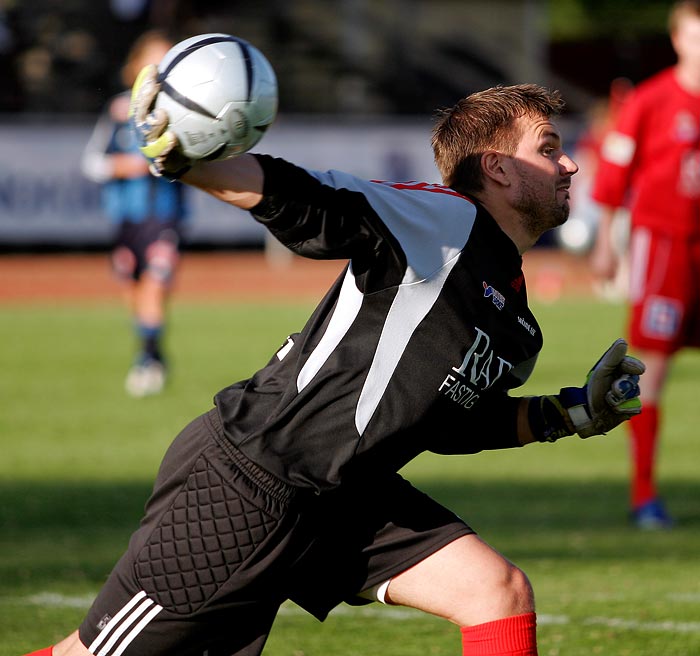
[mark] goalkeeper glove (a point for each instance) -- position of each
(609, 397)
(158, 144)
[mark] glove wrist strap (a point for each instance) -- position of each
(176, 175)
(575, 402)
(549, 419)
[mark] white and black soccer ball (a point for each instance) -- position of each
(220, 93)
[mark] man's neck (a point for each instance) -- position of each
(688, 77)
(508, 220)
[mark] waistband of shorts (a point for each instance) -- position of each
(266, 481)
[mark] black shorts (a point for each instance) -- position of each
(223, 543)
(151, 245)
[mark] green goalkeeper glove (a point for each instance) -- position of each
(158, 144)
(609, 397)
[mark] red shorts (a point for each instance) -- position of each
(664, 292)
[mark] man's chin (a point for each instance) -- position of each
(563, 215)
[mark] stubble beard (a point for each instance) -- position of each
(538, 217)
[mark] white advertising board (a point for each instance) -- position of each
(45, 200)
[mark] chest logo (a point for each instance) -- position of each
(496, 297)
(685, 127)
(479, 370)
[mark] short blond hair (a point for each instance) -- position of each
(484, 121)
(133, 62)
(681, 9)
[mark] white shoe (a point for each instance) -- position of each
(145, 379)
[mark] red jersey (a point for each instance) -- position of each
(651, 160)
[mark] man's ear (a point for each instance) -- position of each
(492, 166)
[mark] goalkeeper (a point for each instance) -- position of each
(288, 488)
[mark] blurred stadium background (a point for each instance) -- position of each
(359, 82)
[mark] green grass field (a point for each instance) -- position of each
(78, 458)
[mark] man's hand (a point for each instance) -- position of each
(158, 144)
(609, 397)
(611, 393)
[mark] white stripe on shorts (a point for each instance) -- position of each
(121, 622)
(137, 629)
(640, 245)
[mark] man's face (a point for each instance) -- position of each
(542, 176)
(686, 40)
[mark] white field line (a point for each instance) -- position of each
(668, 627)
(51, 599)
(685, 597)
(56, 600)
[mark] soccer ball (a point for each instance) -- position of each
(220, 94)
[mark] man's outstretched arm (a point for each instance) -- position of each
(238, 181)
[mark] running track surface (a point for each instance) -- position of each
(229, 276)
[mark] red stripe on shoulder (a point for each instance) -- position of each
(422, 186)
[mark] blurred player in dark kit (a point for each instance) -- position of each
(651, 160)
(288, 488)
(148, 213)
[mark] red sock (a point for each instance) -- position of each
(644, 431)
(47, 651)
(512, 636)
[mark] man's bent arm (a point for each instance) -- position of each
(525, 435)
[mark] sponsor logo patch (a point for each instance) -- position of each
(685, 127)
(496, 297)
(662, 318)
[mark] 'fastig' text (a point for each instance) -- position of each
(479, 370)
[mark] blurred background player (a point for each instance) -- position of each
(651, 161)
(578, 234)
(148, 213)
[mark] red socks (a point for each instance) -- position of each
(512, 636)
(644, 429)
(42, 652)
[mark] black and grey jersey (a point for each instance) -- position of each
(415, 346)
